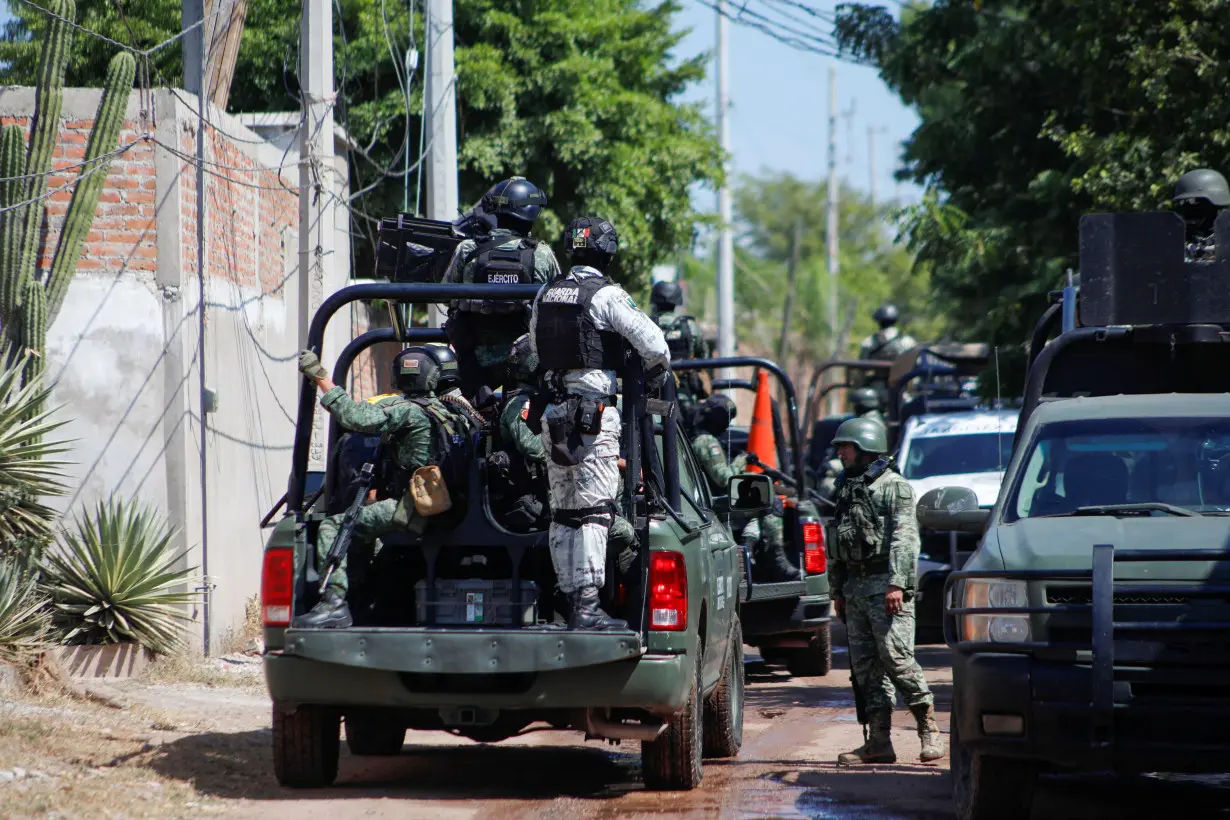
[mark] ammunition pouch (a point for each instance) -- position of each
(582, 416)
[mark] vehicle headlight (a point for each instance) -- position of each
(988, 593)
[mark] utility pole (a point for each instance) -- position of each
(726, 242)
(830, 232)
(848, 116)
(792, 276)
(317, 189)
(871, 158)
(196, 66)
(441, 122)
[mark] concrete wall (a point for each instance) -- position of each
(123, 354)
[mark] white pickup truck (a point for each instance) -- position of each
(967, 449)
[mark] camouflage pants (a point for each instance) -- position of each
(882, 648)
(375, 520)
(579, 554)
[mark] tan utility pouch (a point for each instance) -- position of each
(429, 491)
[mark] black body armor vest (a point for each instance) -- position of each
(566, 336)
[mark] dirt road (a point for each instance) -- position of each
(208, 753)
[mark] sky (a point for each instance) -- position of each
(779, 107)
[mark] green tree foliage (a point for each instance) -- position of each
(1034, 113)
(872, 269)
(582, 98)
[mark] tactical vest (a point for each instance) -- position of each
(567, 338)
(677, 328)
(451, 450)
(495, 265)
(861, 529)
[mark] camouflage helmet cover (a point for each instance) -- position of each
(867, 435)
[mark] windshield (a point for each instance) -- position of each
(955, 455)
(1184, 462)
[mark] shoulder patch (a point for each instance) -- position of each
(714, 449)
(525, 411)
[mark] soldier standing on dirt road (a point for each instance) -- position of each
(873, 570)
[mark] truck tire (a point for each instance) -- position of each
(986, 788)
(816, 659)
(724, 707)
(672, 762)
(306, 742)
(370, 736)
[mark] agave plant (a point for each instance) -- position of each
(29, 471)
(25, 615)
(113, 578)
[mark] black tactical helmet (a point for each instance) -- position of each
(516, 197)
(865, 399)
(415, 371)
(886, 315)
(1203, 183)
(450, 376)
(666, 295)
(588, 235)
(522, 361)
(867, 435)
(716, 414)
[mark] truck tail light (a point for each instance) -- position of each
(815, 561)
(668, 592)
(277, 586)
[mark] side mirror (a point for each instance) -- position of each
(721, 505)
(952, 508)
(750, 495)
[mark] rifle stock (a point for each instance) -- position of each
(342, 544)
(860, 704)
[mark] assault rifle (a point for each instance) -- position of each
(342, 544)
(778, 475)
(860, 703)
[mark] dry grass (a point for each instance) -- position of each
(83, 761)
(187, 666)
(238, 640)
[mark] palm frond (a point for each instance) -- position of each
(113, 578)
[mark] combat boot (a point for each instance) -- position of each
(586, 614)
(879, 745)
(330, 613)
(774, 567)
(933, 746)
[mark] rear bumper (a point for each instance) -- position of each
(1062, 728)
(655, 683)
(765, 621)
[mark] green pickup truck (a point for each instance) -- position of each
(470, 647)
(787, 621)
(1091, 628)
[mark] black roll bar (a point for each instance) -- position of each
(1043, 329)
(1035, 379)
(412, 292)
(854, 364)
(787, 385)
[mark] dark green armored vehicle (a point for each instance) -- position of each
(458, 630)
(1091, 628)
(787, 620)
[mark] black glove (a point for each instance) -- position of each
(656, 377)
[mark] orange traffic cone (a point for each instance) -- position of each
(760, 439)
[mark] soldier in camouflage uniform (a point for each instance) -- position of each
(582, 325)
(518, 462)
(685, 340)
(766, 534)
(885, 344)
(410, 423)
(873, 568)
(1199, 196)
(483, 331)
(866, 405)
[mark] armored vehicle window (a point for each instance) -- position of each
(1183, 462)
(957, 455)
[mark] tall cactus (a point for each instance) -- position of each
(43, 132)
(33, 329)
(28, 302)
(12, 191)
(103, 139)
